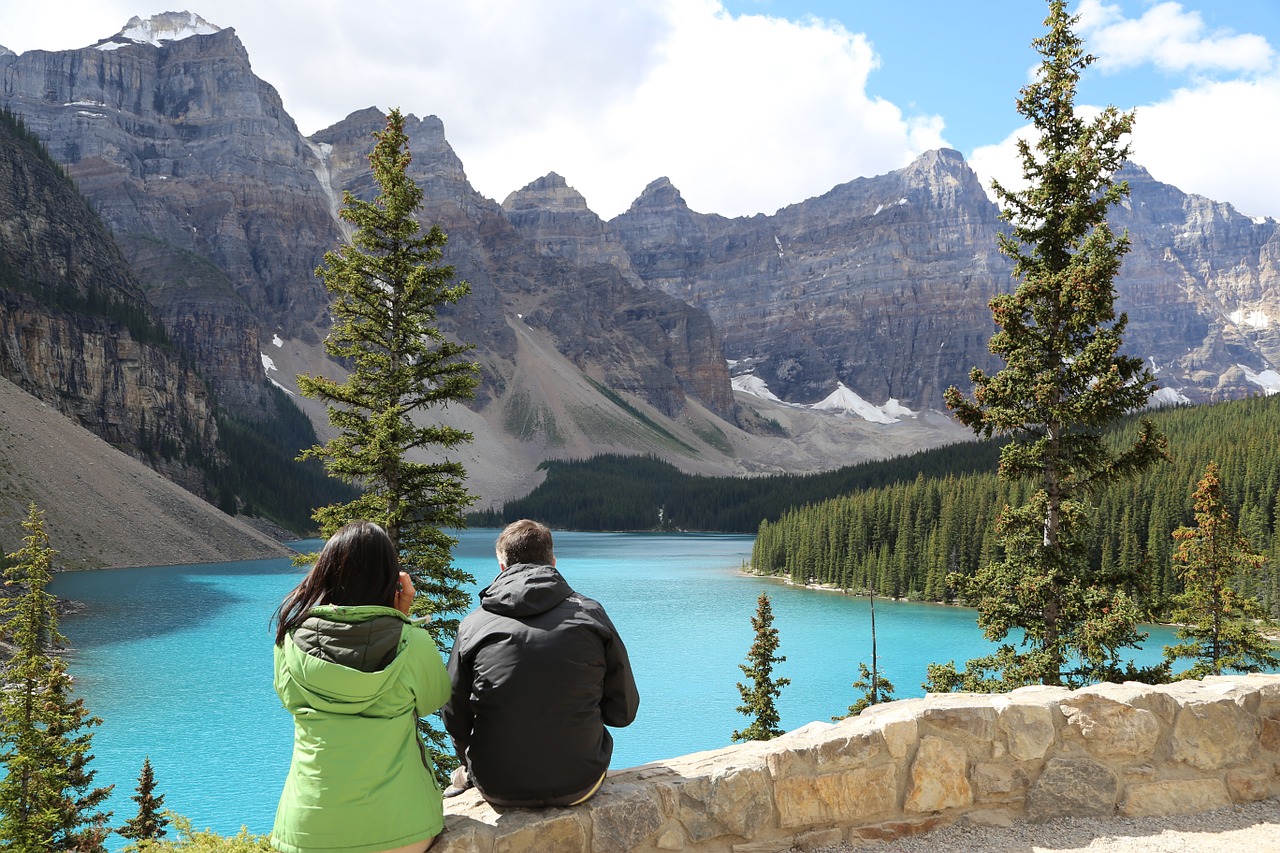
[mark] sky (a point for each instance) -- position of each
(746, 105)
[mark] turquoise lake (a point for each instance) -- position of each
(177, 660)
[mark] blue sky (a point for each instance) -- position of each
(966, 61)
(747, 105)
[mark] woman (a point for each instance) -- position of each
(357, 674)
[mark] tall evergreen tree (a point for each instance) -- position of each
(1218, 622)
(388, 285)
(1064, 379)
(150, 822)
(759, 693)
(47, 798)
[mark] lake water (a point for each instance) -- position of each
(177, 661)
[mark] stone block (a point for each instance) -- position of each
(1111, 729)
(992, 778)
(988, 817)
(465, 836)
(896, 829)
(900, 736)
(1072, 787)
(1174, 796)
(1153, 698)
(623, 818)
(817, 839)
(1214, 733)
(783, 762)
(1029, 733)
(1270, 736)
(742, 801)
(851, 796)
(858, 749)
(671, 837)
(973, 722)
(566, 832)
(1251, 785)
(939, 778)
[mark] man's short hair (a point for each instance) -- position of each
(525, 541)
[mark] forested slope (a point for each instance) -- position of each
(614, 492)
(905, 537)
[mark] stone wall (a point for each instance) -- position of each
(916, 764)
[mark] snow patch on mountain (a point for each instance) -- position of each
(1255, 318)
(1268, 380)
(753, 385)
(1167, 397)
(845, 400)
(165, 27)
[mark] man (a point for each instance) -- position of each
(538, 671)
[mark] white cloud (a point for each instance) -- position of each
(1171, 38)
(1217, 140)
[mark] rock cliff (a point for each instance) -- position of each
(185, 153)
(882, 284)
(637, 341)
(190, 157)
(76, 330)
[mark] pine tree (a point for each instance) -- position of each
(874, 690)
(150, 822)
(1064, 379)
(388, 285)
(758, 696)
(1218, 623)
(47, 798)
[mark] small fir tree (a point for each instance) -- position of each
(1063, 381)
(47, 798)
(874, 691)
(1218, 624)
(388, 285)
(150, 822)
(760, 693)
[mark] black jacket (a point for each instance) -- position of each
(538, 671)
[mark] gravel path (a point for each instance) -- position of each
(1249, 828)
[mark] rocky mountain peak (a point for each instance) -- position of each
(549, 192)
(660, 195)
(158, 29)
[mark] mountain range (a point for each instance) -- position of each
(820, 335)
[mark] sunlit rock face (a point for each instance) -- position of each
(226, 211)
(883, 284)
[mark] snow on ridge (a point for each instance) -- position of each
(754, 385)
(844, 400)
(276, 342)
(1268, 380)
(895, 409)
(1255, 318)
(169, 26)
(1167, 397)
(268, 364)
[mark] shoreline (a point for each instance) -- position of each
(1271, 633)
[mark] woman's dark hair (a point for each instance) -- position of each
(358, 565)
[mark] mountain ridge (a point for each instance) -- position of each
(681, 324)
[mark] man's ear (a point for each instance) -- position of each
(553, 561)
(501, 568)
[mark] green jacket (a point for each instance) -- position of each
(356, 680)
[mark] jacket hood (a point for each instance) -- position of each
(345, 658)
(524, 590)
